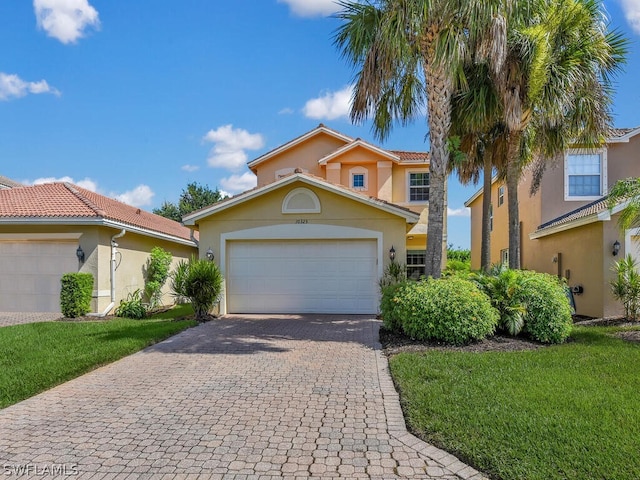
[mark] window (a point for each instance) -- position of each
(500, 195)
(585, 175)
(415, 263)
(419, 187)
(491, 217)
(358, 180)
(504, 256)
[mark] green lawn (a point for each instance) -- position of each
(37, 356)
(563, 412)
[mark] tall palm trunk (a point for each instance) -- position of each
(513, 177)
(485, 246)
(439, 88)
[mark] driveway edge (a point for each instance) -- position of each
(398, 428)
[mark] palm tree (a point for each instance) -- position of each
(409, 52)
(626, 192)
(554, 83)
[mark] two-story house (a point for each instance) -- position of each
(329, 212)
(566, 227)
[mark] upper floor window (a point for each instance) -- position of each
(585, 175)
(500, 195)
(418, 186)
(358, 178)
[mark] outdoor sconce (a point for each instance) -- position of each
(209, 254)
(80, 254)
(392, 253)
(616, 248)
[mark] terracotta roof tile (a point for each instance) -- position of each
(417, 157)
(8, 183)
(63, 200)
(584, 211)
(620, 132)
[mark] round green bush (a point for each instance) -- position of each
(451, 310)
(548, 313)
(389, 303)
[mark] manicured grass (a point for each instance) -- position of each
(570, 411)
(38, 356)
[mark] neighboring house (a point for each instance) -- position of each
(8, 183)
(51, 229)
(566, 228)
(317, 232)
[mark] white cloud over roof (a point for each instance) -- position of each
(312, 8)
(458, 212)
(330, 106)
(65, 20)
(230, 145)
(239, 183)
(190, 168)
(12, 86)
(631, 10)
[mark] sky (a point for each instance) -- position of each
(137, 99)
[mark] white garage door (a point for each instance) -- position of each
(302, 276)
(30, 274)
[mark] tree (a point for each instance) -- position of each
(626, 192)
(408, 52)
(192, 198)
(553, 78)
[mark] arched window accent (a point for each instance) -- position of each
(301, 200)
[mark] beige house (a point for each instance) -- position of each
(51, 229)
(316, 233)
(566, 228)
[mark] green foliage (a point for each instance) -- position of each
(459, 254)
(132, 307)
(75, 294)
(389, 303)
(548, 317)
(456, 267)
(451, 310)
(505, 288)
(194, 197)
(626, 286)
(394, 273)
(200, 281)
(157, 273)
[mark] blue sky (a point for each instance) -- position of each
(137, 99)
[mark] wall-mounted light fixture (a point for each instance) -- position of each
(209, 254)
(616, 248)
(392, 253)
(80, 254)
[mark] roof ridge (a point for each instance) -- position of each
(572, 212)
(74, 190)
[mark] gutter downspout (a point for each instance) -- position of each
(114, 250)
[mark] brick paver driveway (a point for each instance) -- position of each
(238, 397)
(16, 318)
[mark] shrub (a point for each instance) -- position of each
(157, 273)
(200, 281)
(132, 307)
(389, 306)
(451, 310)
(548, 313)
(393, 273)
(75, 294)
(626, 286)
(456, 267)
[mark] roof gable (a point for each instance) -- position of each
(8, 183)
(65, 202)
(358, 144)
(194, 217)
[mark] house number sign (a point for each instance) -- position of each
(301, 221)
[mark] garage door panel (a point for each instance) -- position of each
(302, 276)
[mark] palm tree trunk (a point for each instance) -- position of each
(485, 247)
(513, 177)
(439, 87)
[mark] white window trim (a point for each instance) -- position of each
(301, 191)
(408, 184)
(501, 190)
(603, 174)
(359, 171)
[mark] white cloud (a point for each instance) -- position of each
(330, 106)
(65, 20)
(312, 8)
(631, 10)
(239, 183)
(229, 146)
(458, 212)
(286, 111)
(190, 168)
(140, 196)
(12, 86)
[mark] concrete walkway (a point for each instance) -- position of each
(16, 318)
(238, 398)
